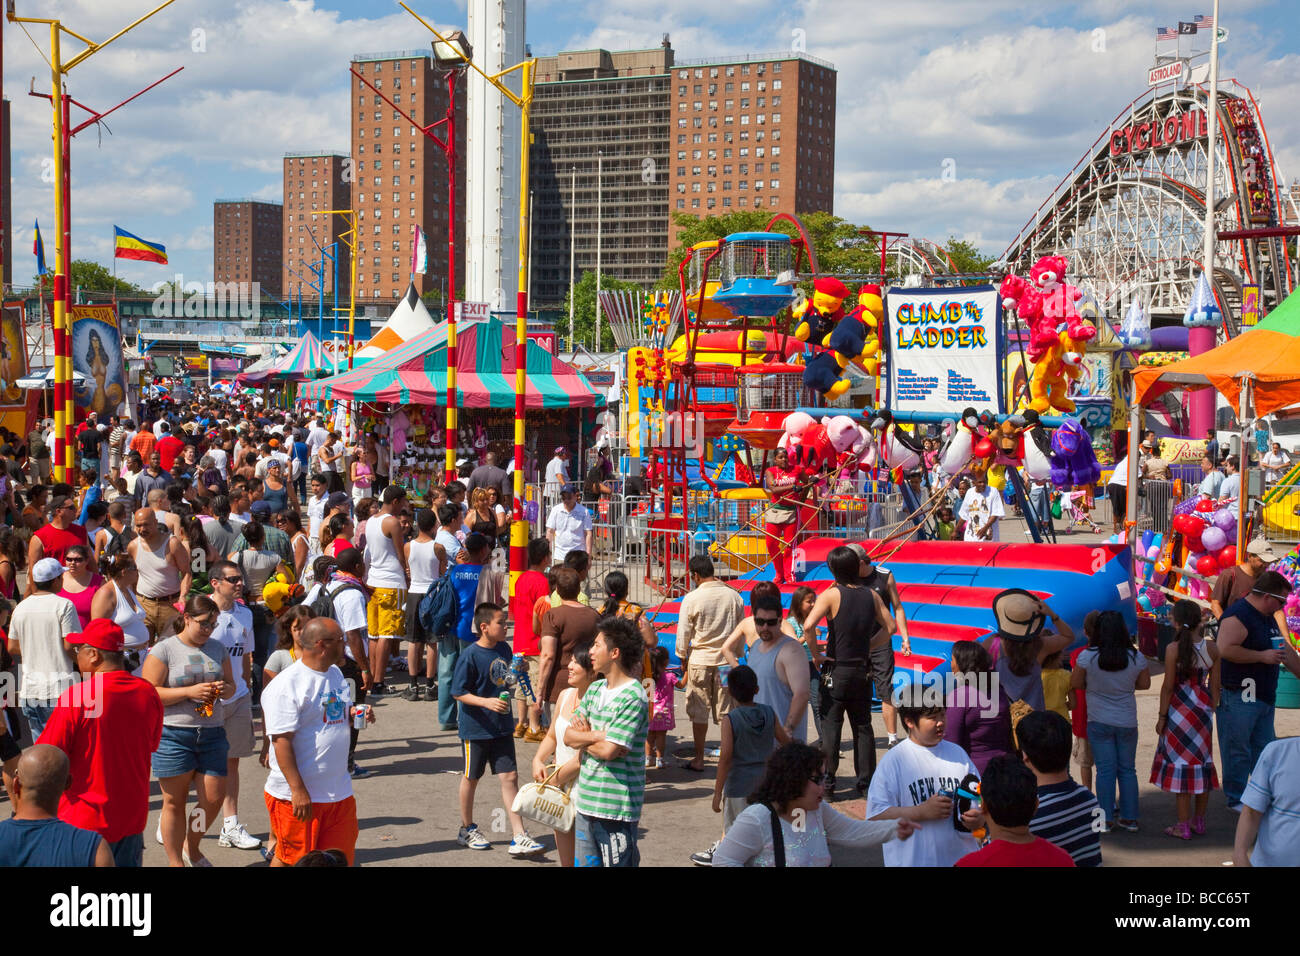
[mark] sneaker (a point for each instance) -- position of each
(158, 834)
(378, 690)
(471, 837)
(523, 845)
(359, 772)
(202, 863)
(535, 736)
(659, 763)
(431, 693)
(1130, 825)
(649, 763)
(266, 852)
(238, 837)
(705, 857)
(521, 728)
(412, 693)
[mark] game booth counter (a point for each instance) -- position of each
(397, 396)
(1258, 373)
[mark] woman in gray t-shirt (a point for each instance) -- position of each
(1112, 673)
(193, 676)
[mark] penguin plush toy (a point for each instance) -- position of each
(1037, 447)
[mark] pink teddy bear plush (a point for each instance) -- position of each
(1045, 302)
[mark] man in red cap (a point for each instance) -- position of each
(108, 725)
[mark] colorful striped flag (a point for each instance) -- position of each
(1203, 21)
(1166, 33)
(38, 250)
(127, 246)
(419, 254)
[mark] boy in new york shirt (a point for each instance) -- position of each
(914, 782)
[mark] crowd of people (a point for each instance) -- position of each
(217, 575)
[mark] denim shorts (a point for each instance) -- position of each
(186, 749)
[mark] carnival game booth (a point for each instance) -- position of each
(395, 396)
(1258, 372)
(307, 360)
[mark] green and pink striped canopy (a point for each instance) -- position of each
(307, 360)
(415, 372)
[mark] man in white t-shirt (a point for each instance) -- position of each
(1270, 809)
(557, 474)
(37, 638)
(917, 780)
(316, 506)
(316, 439)
(981, 509)
(568, 526)
(1275, 462)
(349, 598)
(308, 712)
(235, 632)
(220, 460)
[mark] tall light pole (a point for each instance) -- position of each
(523, 99)
(573, 206)
(600, 160)
(349, 238)
(451, 54)
(1200, 405)
(64, 416)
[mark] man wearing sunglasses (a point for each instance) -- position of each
(54, 539)
(1251, 662)
(235, 632)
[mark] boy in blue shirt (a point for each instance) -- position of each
(486, 727)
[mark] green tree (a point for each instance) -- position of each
(838, 244)
(966, 258)
(584, 310)
(90, 277)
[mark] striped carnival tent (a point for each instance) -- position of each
(415, 372)
(308, 359)
(408, 322)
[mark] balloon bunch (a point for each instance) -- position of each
(1207, 533)
(1152, 571)
(1289, 568)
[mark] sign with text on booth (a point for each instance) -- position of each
(944, 349)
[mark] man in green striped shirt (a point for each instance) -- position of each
(609, 726)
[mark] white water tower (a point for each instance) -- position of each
(493, 191)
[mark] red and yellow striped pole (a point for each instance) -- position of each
(451, 276)
(62, 452)
(518, 526)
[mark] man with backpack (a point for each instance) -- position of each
(116, 534)
(342, 597)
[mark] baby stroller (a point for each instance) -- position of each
(1073, 505)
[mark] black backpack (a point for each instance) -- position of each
(323, 605)
(116, 542)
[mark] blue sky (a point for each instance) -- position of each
(1006, 99)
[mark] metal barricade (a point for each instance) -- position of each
(1155, 505)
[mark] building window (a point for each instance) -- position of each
(698, 105)
(698, 88)
(744, 102)
(681, 170)
(776, 117)
(681, 187)
(713, 73)
(776, 151)
(695, 154)
(712, 202)
(775, 184)
(681, 154)
(681, 138)
(695, 204)
(695, 138)
(728, 120)
(699, 74)
(681, 123)
(681, 107)
(743, 184)
(731, 71)
(776, 68)
(726, 185)
(744, 119)
(681, 91)
(742, 201)
(695, 187)
(681, 204)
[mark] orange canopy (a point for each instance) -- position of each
(1268, 354)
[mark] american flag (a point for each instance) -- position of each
(1203, 22)
(1166, 33)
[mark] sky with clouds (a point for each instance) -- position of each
(1005, 97)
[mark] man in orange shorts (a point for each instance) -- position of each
(308, 709)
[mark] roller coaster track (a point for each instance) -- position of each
(1130, 214)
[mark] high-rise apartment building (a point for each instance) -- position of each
(313, 183)
(247, 242)
(599, 160)
(704, 137)
(400, 175)
(753, 133)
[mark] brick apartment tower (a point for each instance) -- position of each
(247, 241)
(314, 182)
(591, 101)
(400, 176)
(752, 133)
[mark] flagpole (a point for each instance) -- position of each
(1201, 405)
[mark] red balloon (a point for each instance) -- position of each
(1207, 565)
(1227, 556)
(1180, 524)
(1205, 504)
(983, 448)
(1192, 537)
